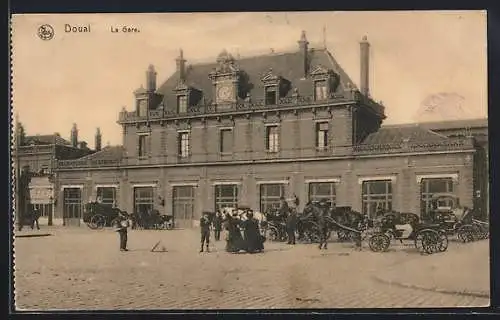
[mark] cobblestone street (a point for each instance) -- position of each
(77, 268)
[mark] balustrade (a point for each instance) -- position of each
(209, 107)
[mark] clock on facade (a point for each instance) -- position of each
(224, 93)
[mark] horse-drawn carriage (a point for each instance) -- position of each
(342, 220)
(152, 219)
(427, 237)
(454, 219)
(97, 215)
(274, 225)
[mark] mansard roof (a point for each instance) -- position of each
(46, 139)
(287, 65)
(456, 124)
(394, 134)
(107, 153)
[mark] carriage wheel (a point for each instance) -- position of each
(98, 220)
(91, 225)
(466, 233)
(443, 242)
(430, 241)
(272, 234)
(379, 242)
(425, 241)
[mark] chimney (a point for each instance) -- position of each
(98, 140)
(74, 136)
(83, 145)
(151, 79)
(365, 66)
(304, 50)
(181, 66)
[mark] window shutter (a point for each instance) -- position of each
(317, 134)
(268, 131)
(179, 144)
(148, 145)
(221, 141)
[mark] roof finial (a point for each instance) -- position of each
(303, 36)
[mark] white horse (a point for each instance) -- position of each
(259, 216)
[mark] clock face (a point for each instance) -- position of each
(224, 93)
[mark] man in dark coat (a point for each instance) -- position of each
(217, 225)
(122, 231)
(205, 231)
(291, 225)
(323, 225)
(283, 209)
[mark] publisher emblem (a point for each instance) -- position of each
(46, 32)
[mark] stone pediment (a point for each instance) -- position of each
(270, 76)
(181, 86)
(320, 70)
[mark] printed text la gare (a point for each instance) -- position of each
(124, 29)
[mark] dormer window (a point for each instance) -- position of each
(182, 104)
(275, 87)
(321, 90)
(271, 95)
(325, 83)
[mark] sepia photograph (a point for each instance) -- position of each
(250, 160)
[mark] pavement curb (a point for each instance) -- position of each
(436, 289)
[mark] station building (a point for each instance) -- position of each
(251, 130)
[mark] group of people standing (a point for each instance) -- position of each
(251, 241)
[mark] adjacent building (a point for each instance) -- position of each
(40, 153)
(251, 130)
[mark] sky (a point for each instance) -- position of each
(87, 78)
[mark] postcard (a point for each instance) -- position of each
(223, 161)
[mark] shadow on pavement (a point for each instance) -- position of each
(34, 235)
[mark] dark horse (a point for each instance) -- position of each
(151, 219)
(344, 220)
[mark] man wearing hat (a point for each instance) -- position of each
(323, 225)
(205, 231)
(122, 231)
(291, 225)
(283, 210)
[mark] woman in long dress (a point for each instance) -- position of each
(234, 241)
(253, 238)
